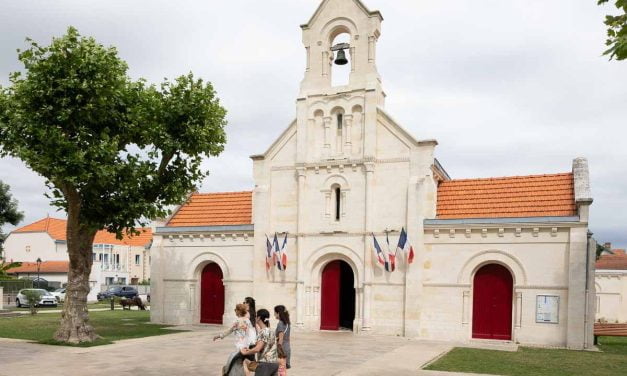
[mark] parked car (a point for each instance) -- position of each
(59, 294)
(119, 291)
(46, 298)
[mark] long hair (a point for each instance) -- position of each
(264, 316)
(251, 308)
(284, 315)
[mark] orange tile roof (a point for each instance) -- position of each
(56, 228)
(215, 209)
(507, 197)
(45, 267)
(617, 261)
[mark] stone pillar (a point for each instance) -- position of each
(369, 166)
(1, 297)
(577, 253)
(348, 125)
(300, 284)
(327, 135)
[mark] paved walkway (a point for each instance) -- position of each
(193, 353)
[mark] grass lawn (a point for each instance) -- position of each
(612, 360)
(111, 325)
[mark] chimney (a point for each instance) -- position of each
(608, 246)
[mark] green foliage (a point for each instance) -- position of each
(32, 299)
(5, 266)
(616, 31)
(600, 250)
(122, 150)
(8, 213)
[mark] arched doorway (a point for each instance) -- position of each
(492, 303)
(337, 296)
(211, 295)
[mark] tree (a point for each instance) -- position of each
(617, 31)
(5, 266)
(114, 152)
(8, 212)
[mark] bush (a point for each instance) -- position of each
(32, 298)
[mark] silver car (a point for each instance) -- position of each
(46, 299)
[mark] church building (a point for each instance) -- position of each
(507, 259)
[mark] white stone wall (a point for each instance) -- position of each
(538, 256)
(177, 264)
(611, 299)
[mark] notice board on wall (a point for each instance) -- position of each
(547, 309)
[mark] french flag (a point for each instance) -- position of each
(277, 252)
(379, 253)
(269, 256)
(283, 253)
(405, 247)
(390, 255)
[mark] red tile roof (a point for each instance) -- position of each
(507, 197)
(215, 209)
(617, 261)
(56, 228)
(45, 267)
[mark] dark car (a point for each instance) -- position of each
(119, 291)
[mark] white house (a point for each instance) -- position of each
(611, 286)
(114, 260)
(502, 259)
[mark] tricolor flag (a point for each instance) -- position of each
(405, 247)
(284, 253)
(379, 253)
(269, 258)
(391, 256)
(277, 252)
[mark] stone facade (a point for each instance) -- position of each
(344, 171)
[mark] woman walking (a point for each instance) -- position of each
(283, 333)
(266, 348)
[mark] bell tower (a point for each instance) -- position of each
(338, 120)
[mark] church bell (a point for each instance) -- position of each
(341, 58)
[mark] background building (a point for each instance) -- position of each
(125, 261)
(611, 286)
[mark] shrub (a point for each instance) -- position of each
(32, 298)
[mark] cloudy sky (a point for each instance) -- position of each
(507, 87)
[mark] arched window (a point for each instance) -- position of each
(340, 74)
(340, 126)
(338, 203)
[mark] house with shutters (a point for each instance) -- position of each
(115, 261)
(506, 258)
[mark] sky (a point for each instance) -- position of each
(507, 88)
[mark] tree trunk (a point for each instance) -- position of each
(75, 327)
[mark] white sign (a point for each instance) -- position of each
(547, 308)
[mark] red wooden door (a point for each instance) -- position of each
(211, 295)
(492, 303)
(330, 297)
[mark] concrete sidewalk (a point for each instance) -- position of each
(194, 353)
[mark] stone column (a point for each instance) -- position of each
(348, 125)
(369, 167)
(327, 135)
(300, 284)
(1, 297)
